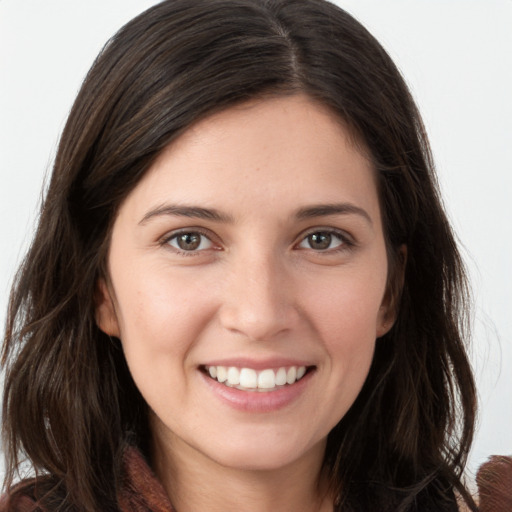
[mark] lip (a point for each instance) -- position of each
(259, 365)
(257, 401)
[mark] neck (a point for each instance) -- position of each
(195, 482)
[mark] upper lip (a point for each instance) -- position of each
(258, 364)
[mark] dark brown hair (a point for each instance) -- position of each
(70, 405)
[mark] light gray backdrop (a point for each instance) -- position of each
(455, 54)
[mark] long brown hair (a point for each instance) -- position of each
(70, 404)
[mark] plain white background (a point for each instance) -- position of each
(456, 56)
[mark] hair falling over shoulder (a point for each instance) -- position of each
(70, 405)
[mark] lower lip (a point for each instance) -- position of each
(258, 401)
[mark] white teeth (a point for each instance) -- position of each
(247, 378)
(291, 375)
(281, 376)
(222, 374)
(267, 379)
(233, 376)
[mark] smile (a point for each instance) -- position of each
(248, 379)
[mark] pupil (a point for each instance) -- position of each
(189, 241)
(320, 240)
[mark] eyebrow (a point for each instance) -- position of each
(194, 212)
(308, 212)
(324, 210)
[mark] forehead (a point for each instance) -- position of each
(266, 154)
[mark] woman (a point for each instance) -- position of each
(243, 280)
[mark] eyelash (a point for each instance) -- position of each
(346, 242)
(189, 231)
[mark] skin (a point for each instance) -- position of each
(258, 288)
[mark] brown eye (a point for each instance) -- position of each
(321, 241)
(190, 241)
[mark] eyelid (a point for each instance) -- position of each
(348, 241)
(170, 235)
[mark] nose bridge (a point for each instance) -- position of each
(258, 300)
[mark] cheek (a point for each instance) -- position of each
(346, 307)
(160, 313)
(347, 318)
(161, 319)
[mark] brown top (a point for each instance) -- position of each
(494, 481)
(142, 492)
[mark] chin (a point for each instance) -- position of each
(263, 455)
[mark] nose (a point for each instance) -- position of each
(259, 298)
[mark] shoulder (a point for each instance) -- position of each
(22, 496)
(494, 482)
(18, 502)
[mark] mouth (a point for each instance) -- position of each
(249, 379)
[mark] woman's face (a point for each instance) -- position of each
(251, 251)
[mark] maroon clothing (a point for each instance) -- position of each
(494, 481)
(142, 492)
